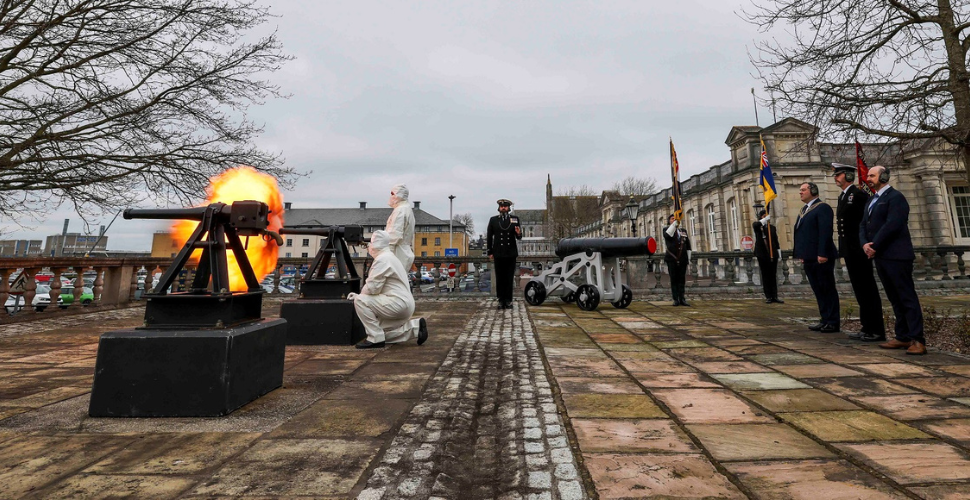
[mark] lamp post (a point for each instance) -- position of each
(451, 220)
(631, 210)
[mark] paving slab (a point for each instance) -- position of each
(941, 386)
(749, 442)
(823, 370)
(611, 406)
(834, 426)
(631, 436)
(909, 463)
(957, 429)
(915, 406)
(811, 480)
(793, 400)
(700, 406)
(758, 381)
(598, 385)
(658, 476)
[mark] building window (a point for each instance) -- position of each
(437, 253)
(712, 228)
(288, 254)
(289, 243)
(424, 242)
(437, 241)
(961, 210)
(693, 223)
(304, 255)
(734, 224)
(306, 242)
(424, 254)
(323, 242)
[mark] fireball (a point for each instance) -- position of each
(238, 184)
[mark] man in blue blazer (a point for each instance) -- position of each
(884, 234)
(815, 248)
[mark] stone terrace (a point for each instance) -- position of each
(727, 399)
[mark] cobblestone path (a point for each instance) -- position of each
(487, 425)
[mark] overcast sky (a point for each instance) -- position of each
(483, 99)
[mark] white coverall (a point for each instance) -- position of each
(400, 227)
(385, 303)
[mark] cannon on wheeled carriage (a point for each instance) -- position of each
(584, 257)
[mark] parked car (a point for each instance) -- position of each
(42, 299)
(426, 277)
(67, 295)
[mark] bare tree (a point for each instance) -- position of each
(635, 186)
(105, 101)
(896, 68)
(469, 223)
(573, 208)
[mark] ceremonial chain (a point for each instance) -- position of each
(504, 227)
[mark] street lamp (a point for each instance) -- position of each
(451, 220)
(631, 210)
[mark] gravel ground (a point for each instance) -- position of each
(947, 329)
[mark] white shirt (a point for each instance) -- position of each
(387, 277)
(875, 197)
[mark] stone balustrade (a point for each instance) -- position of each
(115, 281)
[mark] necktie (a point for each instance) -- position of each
(872, 203)
(800, 214)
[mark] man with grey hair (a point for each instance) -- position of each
(385, 304)
(400, 226)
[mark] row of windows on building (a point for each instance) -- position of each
(323, 241)
(305, 255)
(960, 201)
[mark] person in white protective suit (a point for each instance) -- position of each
(385, 304)
(400, 226)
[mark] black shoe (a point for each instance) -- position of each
(856, 335)
(422, 331)
(829, 329)
(366, 344)
(684, 303)
(871, 337)
(776, 300)
(676, 303)
(816, 327)
(769, 301)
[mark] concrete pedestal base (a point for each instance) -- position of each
(186, 373)
(321, 322)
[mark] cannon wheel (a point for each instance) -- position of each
(587, 297)
(535, 293)
(569, 298)
(626, 298)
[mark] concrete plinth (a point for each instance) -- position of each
(321, 322)
(186, 373)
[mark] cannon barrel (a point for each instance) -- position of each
(194, 213)
(608, 247)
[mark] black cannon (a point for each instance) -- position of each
(583, 257)
(322, 314)
(201, 352)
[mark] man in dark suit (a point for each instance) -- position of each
(677, 259)
(884, 235)
(765, 237)
(503, 230)
(848, 216)
(815, 248)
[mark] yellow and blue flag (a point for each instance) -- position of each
(767, 180)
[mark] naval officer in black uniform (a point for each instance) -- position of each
(677, 259)
(503, 230)
(848, 216)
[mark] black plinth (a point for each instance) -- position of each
(321, 322)
(186, 373)
(329, 288)
(202, 310)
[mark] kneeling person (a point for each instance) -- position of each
(385, 304)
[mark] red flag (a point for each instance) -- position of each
(862, 168)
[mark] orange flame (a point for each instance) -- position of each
(238, 184)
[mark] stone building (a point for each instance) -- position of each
(718, 202)
(431, 235)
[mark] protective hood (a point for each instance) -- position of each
(379, 240)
